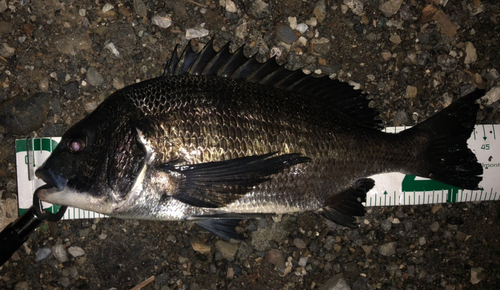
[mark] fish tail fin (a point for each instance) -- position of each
(446, 157)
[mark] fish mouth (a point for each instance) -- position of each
(56, 181)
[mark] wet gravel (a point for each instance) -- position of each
(60, 59)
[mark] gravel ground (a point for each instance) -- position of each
(60, 59)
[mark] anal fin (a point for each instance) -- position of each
(343, 207)
(224, 228)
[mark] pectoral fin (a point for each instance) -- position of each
(216, 184)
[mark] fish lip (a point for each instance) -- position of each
(54, 180)
(44, 193)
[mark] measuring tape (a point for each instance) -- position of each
(390, 189)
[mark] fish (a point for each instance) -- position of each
(221, 137)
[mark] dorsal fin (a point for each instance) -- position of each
(223, 63)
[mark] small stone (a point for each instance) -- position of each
(356, 6)
(140, 8)
(292, 21)
(23, 285)
(400, 119)
(192, 33)
(388, 249)
(312, 21)
(112, 48)
(447, 62)
(299, 243)
(386, 55)
(90, 107)
(470, 53)
(303, 261)
(118, 84)
(447, 27)
(230, 6)
(422, 241)
(411, 92)
(367, 249)
(199, 246)
(436, 208)
(3, 6)
(42, 253)
(60, 253)
(76, 251)
(94, 78)
(6, 50)
(275, 257)
(70, 91)
(476, 275)
(227, 250)
(396, 39)
(107, 7)
(434, 226)
(337, 248)
(492, 96)
(344, 8)
(386, 225)
(103, 236)
(337, 282)
(286, 34)
(492, 75)
(82, 12)
(163, 21)
(390, 7)
(260, 9)
(302, 28)
(5, 27)
(320, 11)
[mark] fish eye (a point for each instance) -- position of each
(77, 144)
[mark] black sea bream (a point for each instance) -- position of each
(221, 137)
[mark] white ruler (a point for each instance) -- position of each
(390, 188)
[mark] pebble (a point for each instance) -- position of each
(492, 96)
(356, 6)
(199, 246)
(5, 27)
(302, 28)
(476, 275)
(422, 241)
(192, 33)
(320, 11)
(25, 116)
(260, 9)
(23, 285)
(386, 55)
(470, 53)
(434, 226)
(70, 90)
(230, 6)
(492, 75)
(390, 7)
(94, 78)
(275, 257)
(292, 21)
(42, 253)
(60, 253)
(411, 92)
(447, 27)
(367, 249)
(3, 6)
(312, 21)
(71, 44)
(107, 7)
(447, 62)
(227, 250)
(303, 261)
(386, 225)
(388, 249)
(140, 8)
(76, 251)
(6, 50)
(163, 21)
(396, 39)
(286, 34)
(112, 48)
(299, 243)
(337, 282)
(400, 119)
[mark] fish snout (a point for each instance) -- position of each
(51, 178)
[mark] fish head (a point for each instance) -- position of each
(94, 166)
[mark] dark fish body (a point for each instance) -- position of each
(222, 137)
